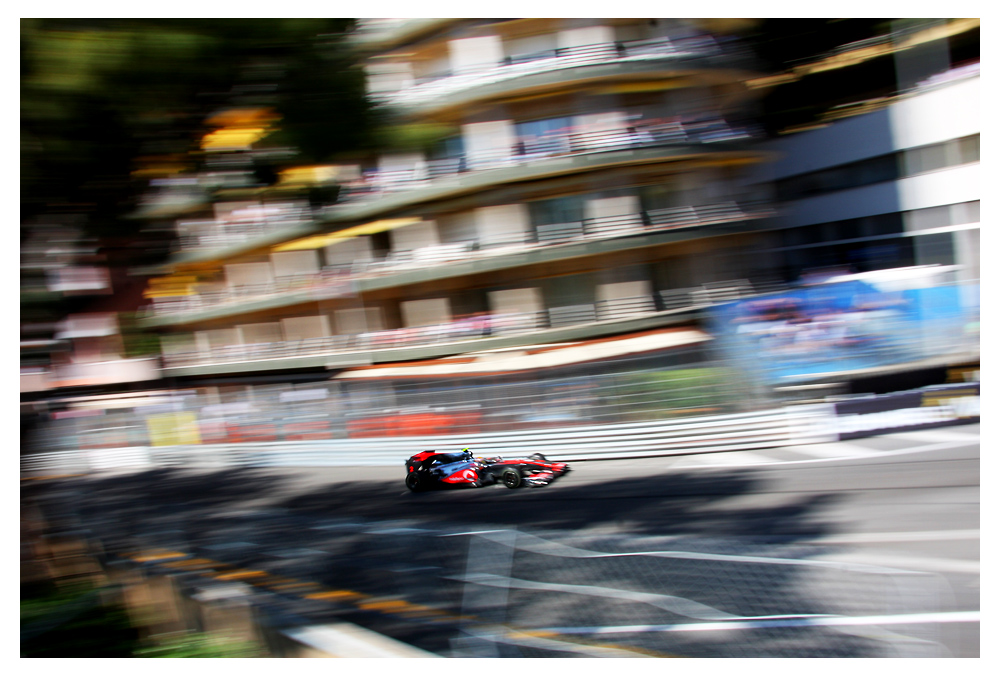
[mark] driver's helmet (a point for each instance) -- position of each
(466, 453)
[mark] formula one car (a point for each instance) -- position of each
(428, 470)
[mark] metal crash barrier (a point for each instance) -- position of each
(746, 431)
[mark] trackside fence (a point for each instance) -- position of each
(570, 595)
(745, 431)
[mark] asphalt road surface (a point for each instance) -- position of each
(864, 548)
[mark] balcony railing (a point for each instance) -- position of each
(464, 329)
(470, 328)
(214, 234)
(450, 82)
(620, 309)
(461, 330)
(340, 281)
(568, 142)
(713, 293)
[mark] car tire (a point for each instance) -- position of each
(413, 482)
(538, 457)
(511, 478)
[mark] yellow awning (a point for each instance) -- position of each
(233, 138)
(169, 287)
(309, 175)
(321, 240)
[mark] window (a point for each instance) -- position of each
(935, 249)
(546, 137)
(969, 149)
(963, 213)
(556, 211)
(448, 148)
(909, 162)
(881, 225)
(929, 158)
(928, 219)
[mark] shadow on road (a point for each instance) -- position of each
(720, 503)
(662, 504)
(265, 520)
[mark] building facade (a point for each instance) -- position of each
(581, 179)
(558, 205)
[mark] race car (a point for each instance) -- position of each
(429, 469)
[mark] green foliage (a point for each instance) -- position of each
(38, 602)
(99, 94)
(415, 136)
(136, 341)
(79, 626)
(668, 393)
(198, 646)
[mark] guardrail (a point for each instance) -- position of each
(745, 431)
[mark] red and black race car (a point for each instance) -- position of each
(428, 470)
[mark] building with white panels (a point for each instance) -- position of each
(553, 180)
(895, 187)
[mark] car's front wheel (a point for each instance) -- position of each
(511, 478)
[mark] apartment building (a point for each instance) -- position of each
(563, 202)
(574, 179)
(887, 175)
(71, 306)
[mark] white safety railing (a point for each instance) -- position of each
(745, 431)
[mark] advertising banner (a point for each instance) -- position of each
(944, 405)
(830, 328)
(173, 429)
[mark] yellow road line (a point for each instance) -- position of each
(335, 595)
(245, 574)
(153, 556)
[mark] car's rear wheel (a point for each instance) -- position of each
(413, 482)
(511, 478)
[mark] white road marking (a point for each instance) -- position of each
(826, 452)
(931, 435)
(878, 537)
(720, 459)
(841, 449)
(671, 603)
(879, 454)
(782, 622)
(909, 563)
(529, 542)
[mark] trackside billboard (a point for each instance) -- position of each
(944, 405)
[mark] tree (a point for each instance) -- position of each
(103, 99)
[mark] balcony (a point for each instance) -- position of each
(349, 280)
(472, 333)
(378, 192)
(570, 142)
(203, 239)
(511, 73)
